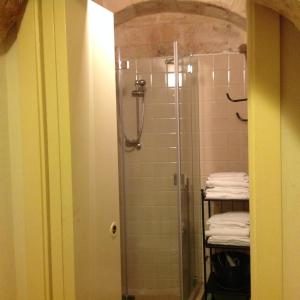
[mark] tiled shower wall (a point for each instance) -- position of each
(151, 211)
(223, 138)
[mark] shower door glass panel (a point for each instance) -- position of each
(189, 168)
(151, 255)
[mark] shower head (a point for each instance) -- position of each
(243, 49)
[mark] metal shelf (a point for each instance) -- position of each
(228, 247)
(225, 200)
(220, 200)
(212, 287)
(211, 284)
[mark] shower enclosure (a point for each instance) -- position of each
(158, 121)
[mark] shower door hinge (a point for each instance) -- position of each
(122, 65)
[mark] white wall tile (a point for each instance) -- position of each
(220, 62)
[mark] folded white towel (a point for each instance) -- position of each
(229, 240)
(228, 174)
(233, 225)
(235, 179)
(232, 217)
(228, 231)
(227, 196)
(228, 189)
(226, 183)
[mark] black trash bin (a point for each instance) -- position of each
(231, 270)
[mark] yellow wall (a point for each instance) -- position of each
(290, 145)
(47, 68)
(58, 160)
(265, 153)
(78, 62)
(274, 119)
(22, 173)
(7, 258)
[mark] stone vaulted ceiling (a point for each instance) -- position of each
(288, 8)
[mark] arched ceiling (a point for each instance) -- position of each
(187, 7)
(160, 30)
(288, 8)
(235, 6)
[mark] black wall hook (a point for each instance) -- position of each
(235, 100)
(240, 118)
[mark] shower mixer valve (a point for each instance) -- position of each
(139, 88)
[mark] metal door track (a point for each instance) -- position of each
(128, 297)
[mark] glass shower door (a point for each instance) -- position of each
(188, 166)
(150, 210)
(156, 172)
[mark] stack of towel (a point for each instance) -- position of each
(227, 185)
(231, 228)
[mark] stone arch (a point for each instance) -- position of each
(287, 8)
(290, 9)
(187, 7)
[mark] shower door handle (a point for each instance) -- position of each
(182, 179)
